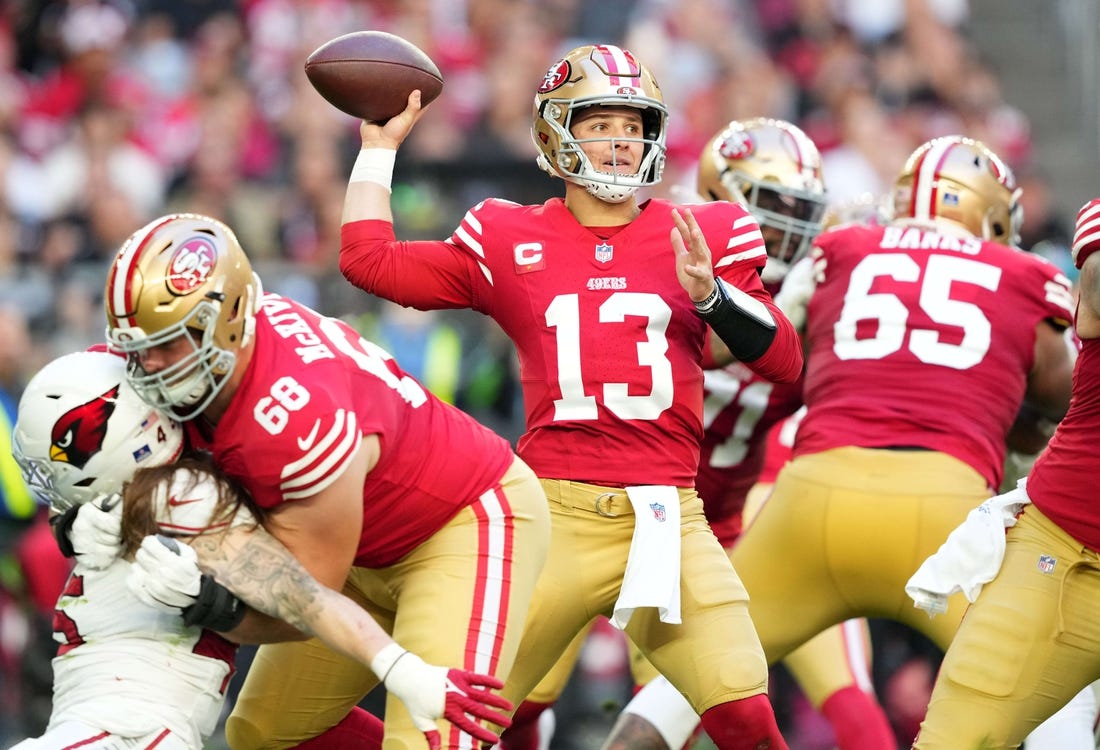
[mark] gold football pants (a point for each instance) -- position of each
(1027, 645)
(713, 657)
(431, 602)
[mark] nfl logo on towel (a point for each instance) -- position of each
(1046, 563)
(604, 252)
(658, 512)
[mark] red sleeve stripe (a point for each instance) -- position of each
(325, 462)
(1086, 238)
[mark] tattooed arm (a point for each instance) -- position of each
(281, 593)
(256, 566)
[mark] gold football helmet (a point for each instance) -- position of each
(182, 275)
(773, 169)
(590, 76)
(959, 180)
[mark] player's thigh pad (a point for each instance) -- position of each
(1027, 645)
(714, 656)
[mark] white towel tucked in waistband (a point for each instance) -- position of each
(652, 577)
(971, 556)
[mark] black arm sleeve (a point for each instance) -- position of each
(215, 608)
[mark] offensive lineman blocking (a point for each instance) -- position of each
(374, 484)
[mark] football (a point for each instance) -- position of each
(370, 74)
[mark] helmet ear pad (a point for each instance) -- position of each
(82, 431)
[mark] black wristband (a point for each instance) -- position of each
(746, 335)
(61, 524)
(215, 608)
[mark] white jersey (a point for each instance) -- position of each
(132, 670)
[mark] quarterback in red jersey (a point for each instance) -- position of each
(924, 337)
(772, 168)
(608, 302)
(1029, 641)
(379, 488)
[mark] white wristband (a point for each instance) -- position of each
(374, 165)
(384, 660)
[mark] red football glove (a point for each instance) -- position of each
(431, 693)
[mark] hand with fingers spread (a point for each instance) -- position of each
(693, 256)
(431, 693)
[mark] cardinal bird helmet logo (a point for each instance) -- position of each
(78, 434)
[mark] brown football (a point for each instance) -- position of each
(370, 74)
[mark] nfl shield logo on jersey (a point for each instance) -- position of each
(604, 252)
(658, 512)
(1046, 563)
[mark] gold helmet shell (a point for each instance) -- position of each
(595, 75)
(181, 275)
(960, 181)
(773, 169)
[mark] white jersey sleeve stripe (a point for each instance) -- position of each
(735, 257)
(310, 478)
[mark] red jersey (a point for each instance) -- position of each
(739, 412)
(313, 389)
(1061, 481)
(609, 343)
(923, 339)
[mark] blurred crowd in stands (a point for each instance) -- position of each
(112, 113)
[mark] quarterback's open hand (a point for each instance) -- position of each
(430, 693)
(693, 256)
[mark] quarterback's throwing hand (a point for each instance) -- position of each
(431, 693)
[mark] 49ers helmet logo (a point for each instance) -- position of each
(78, 434)
(191, 265)
(738, 145)
(555, 77)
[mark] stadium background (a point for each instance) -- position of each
(112, 113)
